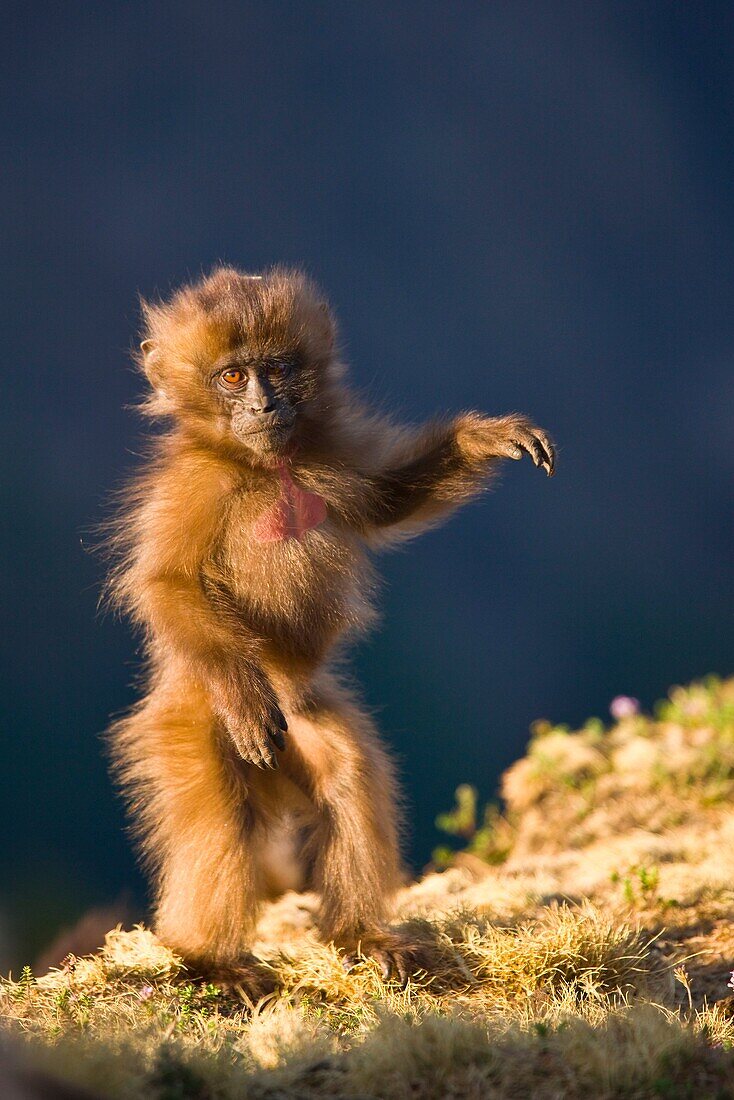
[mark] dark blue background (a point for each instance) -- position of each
(513, 206)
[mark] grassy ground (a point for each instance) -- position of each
(583, 939)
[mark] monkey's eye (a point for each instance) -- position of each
(279, 367)
(232, 377)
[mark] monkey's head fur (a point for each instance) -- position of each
(247, 363)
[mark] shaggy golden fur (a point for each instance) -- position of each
(250, 768)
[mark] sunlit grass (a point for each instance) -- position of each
(581, 956)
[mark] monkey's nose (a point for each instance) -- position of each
(259, 410)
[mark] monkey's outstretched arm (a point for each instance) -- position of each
(445, 464)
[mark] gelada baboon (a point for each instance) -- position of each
(244, 555)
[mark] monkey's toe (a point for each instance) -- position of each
(396, 966)
(399, 958)
(388, 965)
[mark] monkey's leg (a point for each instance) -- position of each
(354, 848)
(195, 822)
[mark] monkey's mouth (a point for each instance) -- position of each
(276, 431)
(275, 428)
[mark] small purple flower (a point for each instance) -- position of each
(624, 706)
(146, 993)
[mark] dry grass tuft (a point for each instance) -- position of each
(582, 956)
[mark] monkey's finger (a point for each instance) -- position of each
(530, 444)
(260, 755)
(540, 449)
(539, 453)
(509, 449)
(278, 739)
(247, 751)
(270, 760)
(550, 453)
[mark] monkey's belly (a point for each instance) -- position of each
(302, 595)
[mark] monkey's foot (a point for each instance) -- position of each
(399, 955)
(249, 977)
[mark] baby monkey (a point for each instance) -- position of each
(243, 553)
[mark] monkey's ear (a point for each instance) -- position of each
(151, 363)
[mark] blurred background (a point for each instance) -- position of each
(513, 206)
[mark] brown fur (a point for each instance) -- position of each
(239, 634)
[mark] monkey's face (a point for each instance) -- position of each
(245, 362)
(261, 397)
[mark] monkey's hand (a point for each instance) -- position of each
(250, 713)
(483, 437)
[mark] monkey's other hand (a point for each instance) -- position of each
(256, 725)
(506, 437)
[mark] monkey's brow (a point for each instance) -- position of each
(248, 360)
(247, 356)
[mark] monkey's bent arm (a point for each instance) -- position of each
(170, 537)
(445, 464)
(207, 636)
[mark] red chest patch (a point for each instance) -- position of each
(294, 512)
